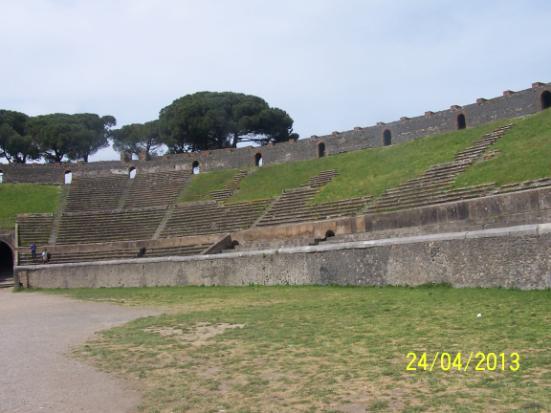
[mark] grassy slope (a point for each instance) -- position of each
(525, 154)
(328, 349)
(26, 198)
(365, 172)
(201, 185)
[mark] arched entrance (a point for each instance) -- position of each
(195, 168)
(387, 137)
(6, 261)
(545, 100)
(68, 177)
(321, 150)
(258, 159)
(461, 121)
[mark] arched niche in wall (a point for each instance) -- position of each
(1, 176)
(461, 121)
(321, 150)
(6, 261)
(68, 177)
(195, 168)
(132, 172)
(258, 159)
(545, 99)
(387, 137)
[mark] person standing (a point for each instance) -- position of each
(45, 256)
(33, 251)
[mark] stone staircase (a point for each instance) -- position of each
(97, 193)
(115, 254)
(34, 228)
(155, 189)
(128, 225)
(295, 205)
(433, 187)
(209, 217)
(221, 195)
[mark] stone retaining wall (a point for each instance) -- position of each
(511, 257)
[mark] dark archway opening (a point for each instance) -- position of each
(387, 137)
(6, 261)
(321, 150)
(258, 159)
(68, 177)
(461, 121)
(545, 100)
(195, 168)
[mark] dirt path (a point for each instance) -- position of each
(36, 375)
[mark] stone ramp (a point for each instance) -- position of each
(38, 332)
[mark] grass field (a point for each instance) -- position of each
(326, 349)
(26, 198)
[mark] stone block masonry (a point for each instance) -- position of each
(509, 105)
(511, 257)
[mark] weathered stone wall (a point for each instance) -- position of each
(515, 208)
(507, 106)
(512, 257)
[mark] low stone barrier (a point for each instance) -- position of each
(511, 257)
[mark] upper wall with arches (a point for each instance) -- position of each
(509, 105)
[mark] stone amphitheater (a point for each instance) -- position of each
(112, 229)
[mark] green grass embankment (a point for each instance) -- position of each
(26, 198)
(202, 185)
(364, 172)
(524, 153)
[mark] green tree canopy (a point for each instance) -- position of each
(75, 136)
(16, 146)
(213, 120)
(138, 138)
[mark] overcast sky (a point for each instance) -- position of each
(331, 64)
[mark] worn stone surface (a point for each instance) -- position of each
(512, 257)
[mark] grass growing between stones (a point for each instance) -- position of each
(203, 184)
(364, 172)
(524, 153)
(26, 198)
(326, 349)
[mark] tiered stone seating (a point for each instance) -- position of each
(97, 193)
(108, 226)
(210, 218)
(295, 205)
(433, 187)
(226, 192)
(115, 254)
(155, 189)
(536, 183)
(34, 228)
